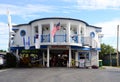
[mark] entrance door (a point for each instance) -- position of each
(83, 58)
(58, 58)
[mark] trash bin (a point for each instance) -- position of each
(100, 63)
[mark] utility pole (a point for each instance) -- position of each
(117, 45)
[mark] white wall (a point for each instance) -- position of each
(18, 39)
(30, 31)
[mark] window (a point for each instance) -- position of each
(36, 29)
(22, 33)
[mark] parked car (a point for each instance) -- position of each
(2, 61)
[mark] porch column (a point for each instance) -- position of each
(17, 54)
(79, 33)
(97, 53)
(69, 63)
(90, 57)
(18, 57)
(68, 32)
(51, 28)
(76, 59)
(48, 57)
(40, 32)
(43, 59)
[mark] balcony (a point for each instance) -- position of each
(60, 38)
(74, 39)
(45, 38)
(87, 41)
(84, 41)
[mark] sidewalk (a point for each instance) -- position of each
(112, 68)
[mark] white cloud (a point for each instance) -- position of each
(25, 9)
(3, 28)
(109, 29)
(4, 36)
(98, 4)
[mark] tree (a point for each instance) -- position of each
(2, 51)
(106, 50)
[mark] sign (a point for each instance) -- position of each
(92, 34)
(56, 46)
(22, 32)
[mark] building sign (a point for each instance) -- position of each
(22, 32)
(56, 46)
(92, 34)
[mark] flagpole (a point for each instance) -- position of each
(9, 26)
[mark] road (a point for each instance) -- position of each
(59, 75)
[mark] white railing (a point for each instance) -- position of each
(87, 41)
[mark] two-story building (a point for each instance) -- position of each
(75, 41)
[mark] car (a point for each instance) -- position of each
(2, 60)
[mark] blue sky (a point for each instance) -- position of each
(102, 13)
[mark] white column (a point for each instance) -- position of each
(48, 57)
(38, 40)
(40, 32)
(90, 57)
(97, 53)
(68, 32)
(70, 56)
(18, 58)
(32, 33)
(79, 34)
(43, 59)
(76, 59)
(51, 28)
(17, 52)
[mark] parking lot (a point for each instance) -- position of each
(59, 75)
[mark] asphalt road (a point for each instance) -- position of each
(59, 75)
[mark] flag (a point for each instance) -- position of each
(55, 28)
(26, 42)
(37, 42)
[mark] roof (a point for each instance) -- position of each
(57, 18)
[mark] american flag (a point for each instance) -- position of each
(55, 29)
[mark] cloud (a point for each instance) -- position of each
(25, 9)
(3, 28)
(4, 36)
(109, 29)
(98, 4)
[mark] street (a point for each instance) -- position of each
(59, 75)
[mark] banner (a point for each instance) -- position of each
(37, 42)
(26, 42)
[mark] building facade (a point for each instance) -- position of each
(75, 41)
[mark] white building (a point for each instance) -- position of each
(75, 40)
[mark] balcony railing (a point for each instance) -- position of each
(60, 38)
(87, 41)
(45, 38)
(74, 39)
